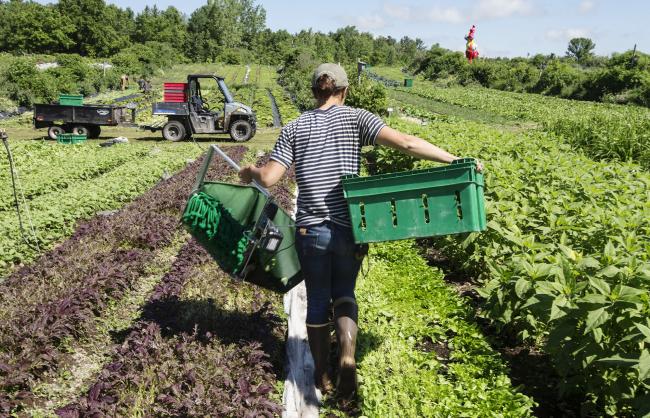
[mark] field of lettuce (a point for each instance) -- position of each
(111, 309)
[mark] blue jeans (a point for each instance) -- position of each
(330, 262)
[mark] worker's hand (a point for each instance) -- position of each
(479, 165)
(246, 174)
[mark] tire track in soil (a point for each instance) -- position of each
(31, 344)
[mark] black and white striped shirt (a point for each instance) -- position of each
(324, 145)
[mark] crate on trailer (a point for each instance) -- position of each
(71, 100)
(416, 204)
(70, 138)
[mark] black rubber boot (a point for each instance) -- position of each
(345, 322)
(319, 344)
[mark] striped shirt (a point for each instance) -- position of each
(324, 145)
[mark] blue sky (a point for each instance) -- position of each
(504, 27)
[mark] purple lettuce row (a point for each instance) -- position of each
(30, 346)
(222, 372)
(194, 379)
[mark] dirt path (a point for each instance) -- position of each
(264, 138)
(277, 119)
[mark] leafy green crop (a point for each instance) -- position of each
(55, 213)
(565, 258)
(419, 354)
(604, 131)
(45, 166)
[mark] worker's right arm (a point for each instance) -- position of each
(414, 146)
(265, 176)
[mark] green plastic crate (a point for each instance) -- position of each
(416, 204)
(71, 100)
(408, 82)
(70, 138)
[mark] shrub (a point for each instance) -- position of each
(145, 59)
(367, 95)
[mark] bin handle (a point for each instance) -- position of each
(206, 163)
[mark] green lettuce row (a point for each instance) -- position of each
(419, 352)
(55, 214)
(44, 167)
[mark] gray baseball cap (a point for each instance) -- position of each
(334, 71)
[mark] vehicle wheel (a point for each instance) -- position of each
(241, 130)
(173, 131)
(81, 130)
(94, 132)
(55, 131)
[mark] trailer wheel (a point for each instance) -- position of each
(241, 130)
(54, 131)
(81, 130)
(94, 131)
(173, 131)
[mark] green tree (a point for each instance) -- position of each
(409, 50)
(384, 51)
(221, 25)
(559, 79)
(33, 28)
(352, 45)
(166, 26)
(580, 49)
(273, 47)
(100, 30)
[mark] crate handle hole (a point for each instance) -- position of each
(459, 208)
(425, 203)
(393, 211)
(362, 208)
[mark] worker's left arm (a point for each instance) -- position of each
(265, 176)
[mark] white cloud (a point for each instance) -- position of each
(483, 9)
(370, 22)
(444, 14)
(495, 9)
(586, 6)
(397, 11)
(567, 34)
(424, 14)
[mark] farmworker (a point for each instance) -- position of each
(323, 144)
(124, 82)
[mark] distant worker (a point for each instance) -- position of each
(471, 49)
(144, 85)
(124, 82)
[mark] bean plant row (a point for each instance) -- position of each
(603, 131)
(565, 257)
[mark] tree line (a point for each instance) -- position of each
(621, 78)
(235, 32)
(231, 31)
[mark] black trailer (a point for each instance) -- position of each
(81, 120)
